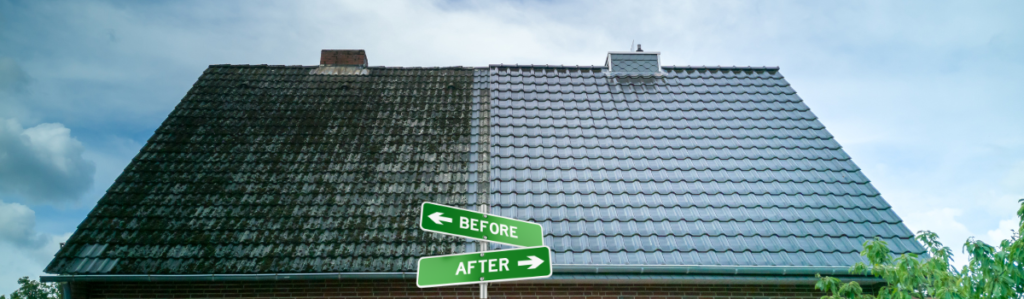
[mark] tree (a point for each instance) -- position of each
(31, 289)
(991, 272)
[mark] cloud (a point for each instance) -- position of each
(1003, 232)
(17, 226)
(26, 251)
(42, 164)
(942, 221)
(921, 94)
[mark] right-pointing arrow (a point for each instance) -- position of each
(436, 217)
(534, 262)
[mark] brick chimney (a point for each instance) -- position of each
(343, 58)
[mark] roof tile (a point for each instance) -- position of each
(264, 169)
(699, 166)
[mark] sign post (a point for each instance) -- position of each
(480, 226)
(484, 246)
(489, 266)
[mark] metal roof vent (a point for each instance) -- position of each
(638, 62)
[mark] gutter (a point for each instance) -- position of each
(226, 277)
(704, 270)
(763, 273)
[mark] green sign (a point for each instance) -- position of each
(474, 225)
(488, 266)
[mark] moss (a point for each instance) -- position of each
(264, 160)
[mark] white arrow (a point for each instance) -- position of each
(436, 217)
(534, 262)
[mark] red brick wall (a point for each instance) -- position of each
(343, 57)
(397, 288)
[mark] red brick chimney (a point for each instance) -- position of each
(343, 58)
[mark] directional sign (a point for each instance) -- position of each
(465, 223)
(488, 266)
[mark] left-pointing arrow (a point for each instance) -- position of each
(534, 262)
(436, 217)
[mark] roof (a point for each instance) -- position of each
(695, 166)
(274, 169)
(269, 169)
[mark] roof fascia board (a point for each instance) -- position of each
(723, 271)
(228, 277)
(726, 270)
(694, 279)
(557, 278)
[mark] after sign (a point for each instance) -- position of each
(474, 225)
(488, 266)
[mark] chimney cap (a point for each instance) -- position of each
(351, 57)
(638, 49)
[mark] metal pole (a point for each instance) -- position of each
(484, 208)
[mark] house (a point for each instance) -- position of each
(649, 181)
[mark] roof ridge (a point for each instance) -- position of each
(263, 65)
(369, 67)
(770, 68)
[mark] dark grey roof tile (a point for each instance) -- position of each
(700, 166)
(264, 169)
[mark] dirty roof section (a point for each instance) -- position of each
(696, 166)
(272, 169)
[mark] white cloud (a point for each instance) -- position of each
(934, 220)
(17, 226)
(24, 251)
(942, 199)
(942, 221)
(1003, 232)
(42, 164)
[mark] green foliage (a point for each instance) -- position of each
(991, 272)
(31, 289)
(996, 272)
(839, 290)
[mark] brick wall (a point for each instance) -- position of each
(397, 288)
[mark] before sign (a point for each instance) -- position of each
(474, 225)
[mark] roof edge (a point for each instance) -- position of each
(701, 273)
(719, 270)
(225, 277)
(694, 279)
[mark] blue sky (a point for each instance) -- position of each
(926, 96)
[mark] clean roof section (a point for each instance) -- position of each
(705, 166)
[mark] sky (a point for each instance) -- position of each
(926, 96)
